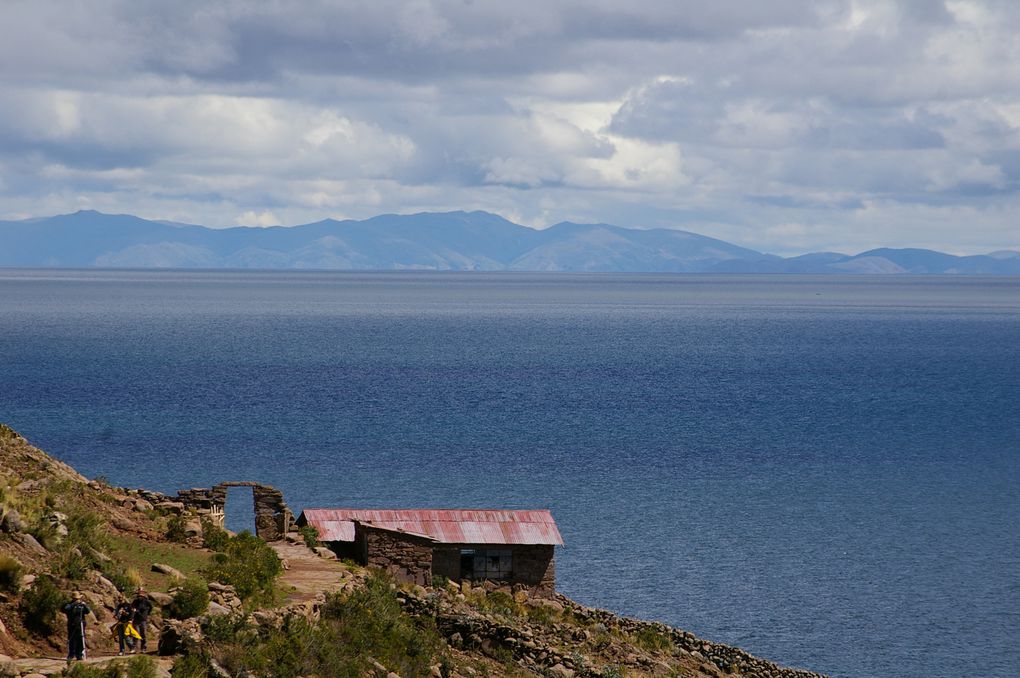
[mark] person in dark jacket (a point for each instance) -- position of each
(76, 612)
(123, 614)
(141, 609)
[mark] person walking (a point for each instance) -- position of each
(76, 612)
(141, 609)
(125, 631)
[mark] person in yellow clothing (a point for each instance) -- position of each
(123, 628)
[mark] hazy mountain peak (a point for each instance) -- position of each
(455, 240)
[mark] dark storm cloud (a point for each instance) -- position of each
(842, 123)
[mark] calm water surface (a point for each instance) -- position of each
(823, 471)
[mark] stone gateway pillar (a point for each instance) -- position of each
(273, 518)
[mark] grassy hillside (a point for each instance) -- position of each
(223, 608)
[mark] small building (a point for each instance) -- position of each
(506, 547)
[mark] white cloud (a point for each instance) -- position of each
(252, 218)
(830, 124)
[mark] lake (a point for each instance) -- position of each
(821, 470)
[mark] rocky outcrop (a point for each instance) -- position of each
(574, 640)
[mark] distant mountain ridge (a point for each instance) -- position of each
(458, 241)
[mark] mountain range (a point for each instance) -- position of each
(461, 241)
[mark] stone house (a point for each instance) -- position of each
(506, 547)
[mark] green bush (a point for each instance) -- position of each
(175, 529)
(214, 537)
(191, 601)
(370, 622)
(652, 640)
(10, 574)
(40, 605)
(310, 535)
(192, 666)
(249, 565)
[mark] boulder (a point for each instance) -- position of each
(560, 671)
(30, 542)
(179, 637)
(161, 599)
(193, 528)
(217, 610)
(12, 522)
(324, 552)
(167, 570)
(170, 506)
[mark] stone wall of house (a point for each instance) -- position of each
(273, 518)
(406, 557)
(535, 567)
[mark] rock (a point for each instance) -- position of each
(99, 556)
(170, 506)
(391, 674)
(560, 671)
(324, 552)
(33, 675)
(29, 541)
(12, 522)
(167, 570)
(159, 598)
(220, 588)
(27, 580)
(3, 629)
(193, 528)
(179, 637)
(142, 506)
(217, 610)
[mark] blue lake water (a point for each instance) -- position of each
(823, 471)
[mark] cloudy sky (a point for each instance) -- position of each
(787, 125)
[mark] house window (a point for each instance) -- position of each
(494, 564)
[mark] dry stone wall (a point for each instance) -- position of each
(406, 557)
(273, 518)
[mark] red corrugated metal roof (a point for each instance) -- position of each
(448, 526)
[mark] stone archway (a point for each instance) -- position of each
(273, 519)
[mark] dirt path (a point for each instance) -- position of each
(308, 574)
(47, 666)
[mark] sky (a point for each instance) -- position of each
(786, 126)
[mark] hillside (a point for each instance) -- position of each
(253, 615)
(451, 241)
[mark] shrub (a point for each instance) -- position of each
(652, 640)
(40, 605)
(192, 666)
(191, 601)
(248, 564)
(370, 622)
(10, 574)
(214, 537)
(310, 535)
(121, 577)
(175, 529)
(71, 563)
